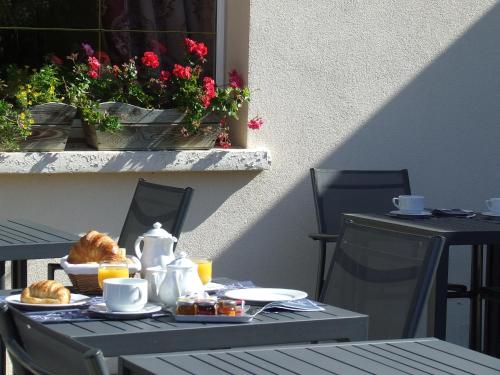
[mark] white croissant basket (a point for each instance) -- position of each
(84, 276)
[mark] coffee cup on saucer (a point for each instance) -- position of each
(411, 204)
(493, 205)
(125, 294)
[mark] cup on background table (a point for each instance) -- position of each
(409, 203)
(125, 294)
(204, 269)
(493, 205)
(109, 270)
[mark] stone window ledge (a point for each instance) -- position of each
(213, 160)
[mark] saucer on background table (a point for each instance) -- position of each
(491, 214)
(410, 214)
(100, 309)
(265, 295)
(213, 287)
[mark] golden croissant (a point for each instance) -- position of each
(95, 247)
(46, 291)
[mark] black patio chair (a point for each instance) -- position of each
(385, 274)
(35, 349)
(151, 203)
(353, 191)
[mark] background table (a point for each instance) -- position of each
(417, 356)
(116, 337)
(22, 239)
(477, 231)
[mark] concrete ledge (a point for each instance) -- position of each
(134, 161)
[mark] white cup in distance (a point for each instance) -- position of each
(409, 203)
(125, 294)
(493, 205)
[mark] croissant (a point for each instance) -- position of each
(95, 247)
(46, 291)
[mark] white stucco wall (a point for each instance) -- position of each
(342, 84)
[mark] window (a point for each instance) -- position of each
(33, 30)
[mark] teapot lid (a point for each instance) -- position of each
(181, 261)
(159, 232)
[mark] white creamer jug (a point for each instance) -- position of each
(158, 249)
(182, 279)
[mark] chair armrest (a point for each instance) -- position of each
(324, 237)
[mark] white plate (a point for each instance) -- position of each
(413, 214)
(148, 310)
(75, 300)
(212, 287)
(214, 318)
(491, 214)
(265, 294)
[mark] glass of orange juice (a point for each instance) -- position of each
(204, 269)
(110, 270)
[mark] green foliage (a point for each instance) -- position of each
(14, 126)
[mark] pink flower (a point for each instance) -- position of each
(56, 60)
(93, 64)
(164, 76)
(88, 49)
(158, 46)
(116, 70)
(182, 71)
(235, 80)
(255, 123)
(93, 74)
(150, 59)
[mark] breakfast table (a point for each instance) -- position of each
(476, 231)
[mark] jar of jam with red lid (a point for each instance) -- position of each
(206, 306)
(227, 307)
(185, 306)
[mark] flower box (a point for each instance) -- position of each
(51, 127)
(150, 129)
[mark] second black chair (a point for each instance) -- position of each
(353, 191)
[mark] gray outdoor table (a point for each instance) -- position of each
(414, 356)
(476, 232)
(164, 334)
(22, 239)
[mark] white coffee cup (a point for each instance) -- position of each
(409, 203)
(125, 294)
(493, 205)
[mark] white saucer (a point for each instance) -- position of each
(412, 214)
(490, 214)
(148, 310)
(75, 300)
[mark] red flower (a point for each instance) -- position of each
(164, 76)
(93, 74)
(103, 57)
(199, 49)
(190, 44)
(255, 123)
(235, 80)
(158, 46)
(223, 140)
(209, 88)
(150, 60)
(116, 70)
(93, 64)
(182, 71)
(56, 60)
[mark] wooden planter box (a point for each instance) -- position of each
(51, 127)
(151, 129)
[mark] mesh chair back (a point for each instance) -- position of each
(154, 203)
(337, 191)
(36, 349)
(384, 274)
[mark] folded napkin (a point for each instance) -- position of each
(458, 212)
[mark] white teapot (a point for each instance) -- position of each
(181, 279)
(158, 249)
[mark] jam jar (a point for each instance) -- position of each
(185, 306)
(206, 306)
(227, 307)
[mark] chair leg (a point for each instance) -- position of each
(476, 311)
(321, 269)
(19, 277)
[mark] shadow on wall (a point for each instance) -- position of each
(444, 126)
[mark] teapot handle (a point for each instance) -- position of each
(137, 246)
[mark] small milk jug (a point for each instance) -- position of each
(158, 248)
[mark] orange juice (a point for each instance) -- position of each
(204, 269)
(110, 271)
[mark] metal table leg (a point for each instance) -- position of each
(440, 308)
(492, 308)
(476, 311)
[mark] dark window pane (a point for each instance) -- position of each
(31, 47)
(76, 14)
